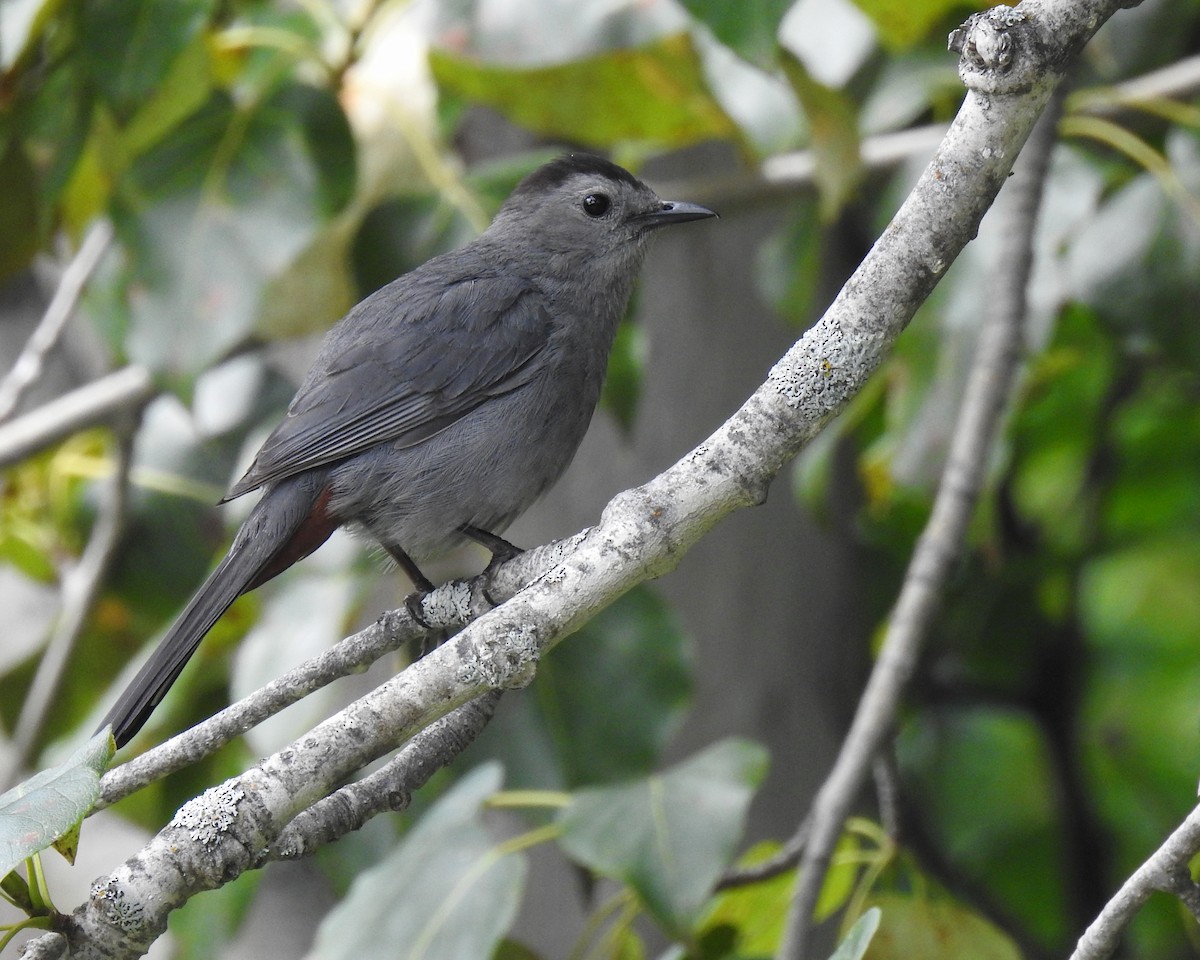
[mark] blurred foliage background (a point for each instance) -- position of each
(266, 164)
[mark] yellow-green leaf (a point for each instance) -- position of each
(655, 93)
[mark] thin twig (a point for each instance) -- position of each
(941, 542)
(81, 585)
(786, 172)
(1179, 79)
(28, 368)
(887, 792)
(390, 788)
(87, 406)
(787, 858)
(1165, 870)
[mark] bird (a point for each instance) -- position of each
(444, 404)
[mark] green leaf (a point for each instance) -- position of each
(129, 48)
(1056, 432)
(748, 920)
(668, 836)
(856, 942)
(1143, 600)
(36, 813)
(184, 89)
(614, 693)
(447, 892)
(986, 781)
(1156, 459)
(511, 950)
(68, 844)
(833, 120)
(237, 193)
(749, 27)
(205, 926)
(20, 236)
(655, 93)
(33, 562)
(623, 384)
(21, 26)
(787, 265)
(931, 928)
(1138, 710)
(902, 23)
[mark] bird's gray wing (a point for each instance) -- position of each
(405, 364)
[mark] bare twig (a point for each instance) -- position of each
(783, 861)
(1179, 79)
(887, 791)
(97, 402)
(1166, 870)
(80, 587)
(390, 787)
(29, 364)
(941, 542)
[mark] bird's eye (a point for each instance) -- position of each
(596, 204)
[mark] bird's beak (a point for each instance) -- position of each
(675, 211)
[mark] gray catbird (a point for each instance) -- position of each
(445, 403)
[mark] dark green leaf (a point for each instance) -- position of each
(402, 233)
(20, 238)
(446, 893)
(49, 804)
(969, 760)
(128, 48)
(788, 263)
(623, 384)
(613, 693)
(669, 836)
(749, 27)
(327, 138)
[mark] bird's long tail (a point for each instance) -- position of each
(286, 525)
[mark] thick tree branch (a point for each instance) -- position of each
(643, 533)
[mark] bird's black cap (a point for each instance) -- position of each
(556, 172)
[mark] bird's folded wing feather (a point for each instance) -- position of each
(424, 353)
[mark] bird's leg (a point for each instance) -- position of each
(423, 584)
(502, 551)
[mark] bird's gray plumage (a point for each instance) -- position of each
(451, 398)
